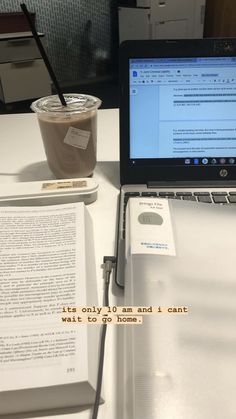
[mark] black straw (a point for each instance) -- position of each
(43, 53)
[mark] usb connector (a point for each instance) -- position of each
(109, 262)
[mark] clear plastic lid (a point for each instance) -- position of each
(76, 103)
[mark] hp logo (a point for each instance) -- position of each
(223, 173)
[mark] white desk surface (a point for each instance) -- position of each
(22, 159)
(17, 35)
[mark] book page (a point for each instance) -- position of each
(42, 269)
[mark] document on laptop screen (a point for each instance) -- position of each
(182, 107)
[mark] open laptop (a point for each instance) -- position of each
(177, 123)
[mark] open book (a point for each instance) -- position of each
(46, 263)
(181, 365)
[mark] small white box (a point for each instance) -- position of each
(48, 192)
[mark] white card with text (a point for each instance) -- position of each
(150, 227)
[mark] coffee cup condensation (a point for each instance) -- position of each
(69, 133)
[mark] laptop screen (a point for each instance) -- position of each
(182, 110)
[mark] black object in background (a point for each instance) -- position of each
(127, 3)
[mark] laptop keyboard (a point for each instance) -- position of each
(207, 197)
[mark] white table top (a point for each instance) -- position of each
(22, 158)
(18, 35)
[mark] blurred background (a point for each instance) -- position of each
(82, 40)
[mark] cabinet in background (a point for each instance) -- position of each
(23, 74)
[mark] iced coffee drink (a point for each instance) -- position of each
(69, 133)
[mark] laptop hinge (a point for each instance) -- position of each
(190, 184)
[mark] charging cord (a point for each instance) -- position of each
(109, 262)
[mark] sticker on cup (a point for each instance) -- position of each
(77, 138)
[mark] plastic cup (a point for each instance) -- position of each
(69, 133)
